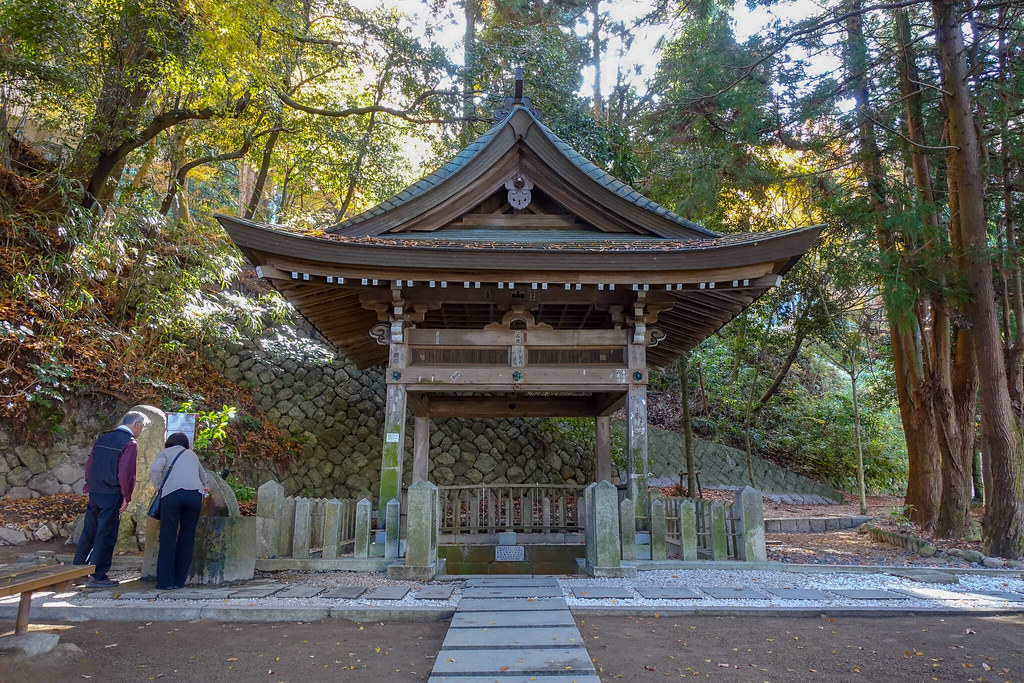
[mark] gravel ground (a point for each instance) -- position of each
(689, 578)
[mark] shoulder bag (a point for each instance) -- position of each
(154, 506)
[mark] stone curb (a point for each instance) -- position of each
(738, 611)
(260, 614)
(885, 569)
(804, 525)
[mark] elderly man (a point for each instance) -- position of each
(109, 481)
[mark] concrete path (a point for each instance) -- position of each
(513, 629)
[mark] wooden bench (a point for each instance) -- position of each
(28, 579)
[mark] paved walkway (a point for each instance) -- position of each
(506, 628)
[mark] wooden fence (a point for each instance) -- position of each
(523, 508)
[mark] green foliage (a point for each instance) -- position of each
(243, 493)
(211, 429)
(900, 516)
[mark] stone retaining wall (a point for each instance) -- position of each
(322, 400)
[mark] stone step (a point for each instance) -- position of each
(511, 619)
(511, 604)
(512, 592)
(516, 581)
(512, 662)
(568, 677)
(515, 638)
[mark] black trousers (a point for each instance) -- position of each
(99, 535)
(179, 517)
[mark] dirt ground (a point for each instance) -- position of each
(911, 648)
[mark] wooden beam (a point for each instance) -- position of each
(512, 406)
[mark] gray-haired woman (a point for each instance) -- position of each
(180, 505)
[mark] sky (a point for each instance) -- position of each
(642, 57)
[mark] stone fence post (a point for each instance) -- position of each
(604, 546)
(750, 510)
(269, 504)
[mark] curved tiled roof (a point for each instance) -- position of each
(458, 162)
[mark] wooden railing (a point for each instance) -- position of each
(523, 508)
(703, 525)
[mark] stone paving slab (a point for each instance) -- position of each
(729, 593)
(799, 594)
(345, 592)
(1001, 595)
(939, 594)
(668, 593)
(251, 592)
(481, 619)
(539, 661)
(602, 592)
(387, 593)
(866, 594)
(488, 638)
(511, 581)
(134, 595)
(196, 594)
(299, 592)
(434, 593)
(512, 592)
(511, 605)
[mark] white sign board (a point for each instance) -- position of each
(181, 422)
(392, 437)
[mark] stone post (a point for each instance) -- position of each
(303, 520)
(269, 503)
(602, 448)
(719, 534)
(627, 529)
(604, 547)
(332, 527)
(392, 529)
(636, 422)
(421, 531)
(658, 531)
(364, 510)
(287, 528)
(318, 511)
(751, 545)
(688, 530)
(420, 448)
(394, 419)
(589, 530)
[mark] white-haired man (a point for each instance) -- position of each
(109, 481)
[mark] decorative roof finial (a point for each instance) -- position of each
(517, 100)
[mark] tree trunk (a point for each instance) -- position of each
(856, 426)
(1004, 513)
(954, 386)
(909, 352)
(684, 391)
(469, 59)
(595, 47)
(261, 177)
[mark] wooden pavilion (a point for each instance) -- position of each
(518, 280)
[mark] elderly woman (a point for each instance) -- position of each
(185, 483)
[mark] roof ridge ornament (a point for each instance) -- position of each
(518, 100)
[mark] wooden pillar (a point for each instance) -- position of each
(602, 448)
(394, 424)
(420, 448)
(636, 421)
